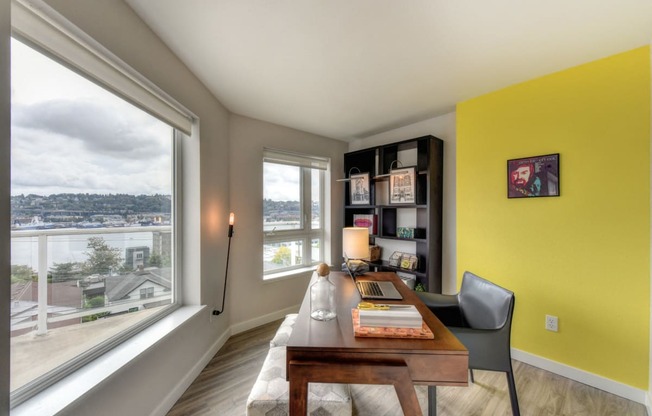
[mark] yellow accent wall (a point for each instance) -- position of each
(583, 256)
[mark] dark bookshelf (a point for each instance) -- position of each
(378, 161)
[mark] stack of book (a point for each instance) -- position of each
(397, 316)
(396, 322)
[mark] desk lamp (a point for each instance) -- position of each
(355, 244)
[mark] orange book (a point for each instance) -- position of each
(388, 332)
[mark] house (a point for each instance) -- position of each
(136, 257)
(151, 283)
(584, 257)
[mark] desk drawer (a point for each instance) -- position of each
(439, 369)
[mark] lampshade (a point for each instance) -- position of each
(355, 242)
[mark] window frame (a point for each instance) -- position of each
(305, 233)
(34, 19)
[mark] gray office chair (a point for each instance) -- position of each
(480, 316)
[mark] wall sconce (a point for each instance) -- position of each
(226, 271)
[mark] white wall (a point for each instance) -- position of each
(442, 127)
(5, 165)
(250, 296)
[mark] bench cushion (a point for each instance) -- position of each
(269, 396)
(284, 331)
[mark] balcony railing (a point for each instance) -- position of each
(23, 316)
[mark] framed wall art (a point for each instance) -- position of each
(402, 186)
(534, 176)
(360, 194)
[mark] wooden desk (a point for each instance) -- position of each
(327, 352)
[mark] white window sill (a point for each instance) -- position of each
(289, 274)
(56, 398)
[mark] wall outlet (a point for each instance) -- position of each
(552, 323)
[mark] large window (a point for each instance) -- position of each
(93, 198)
(293, 220)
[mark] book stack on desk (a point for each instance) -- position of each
(359, 330)
(396, 316)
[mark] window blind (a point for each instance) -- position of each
(37, 23)
(295, 159)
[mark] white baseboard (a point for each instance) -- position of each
(590, 379)
(262, 320)
(173, 396)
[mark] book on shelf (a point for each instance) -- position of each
(422, 332)
(366, 220)
(397, 316)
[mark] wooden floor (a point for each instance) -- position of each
(223, 386)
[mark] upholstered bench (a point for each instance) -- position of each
(284, 331)
(269, 396)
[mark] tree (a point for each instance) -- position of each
(102, 259)
(65, 271)
(22, 273)
(94, 302)
(159, 260)
(91, 303)
(282, 256)
(155, 260)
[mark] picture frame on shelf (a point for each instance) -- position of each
(366, 220)
(535, 176)
(359, 189)
(402, 187)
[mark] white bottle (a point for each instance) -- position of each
(322, 296)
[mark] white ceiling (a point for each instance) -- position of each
(350, 68)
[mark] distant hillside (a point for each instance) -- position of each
(89, 204)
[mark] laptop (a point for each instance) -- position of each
(371, 289)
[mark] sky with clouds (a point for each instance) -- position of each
(71, 136)
(281, 182)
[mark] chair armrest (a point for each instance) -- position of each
(436, 300)
(445, 307)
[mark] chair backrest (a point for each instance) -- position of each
(484, 305)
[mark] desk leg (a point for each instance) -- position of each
(298, 393)
(432, 400)
(407, 396)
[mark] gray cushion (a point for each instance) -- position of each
(284, 331)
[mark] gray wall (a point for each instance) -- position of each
(246, 270)
(5, 166)
(444, 128)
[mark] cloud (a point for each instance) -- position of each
(54, 152)
(101, 129)
(69, 134)
(282, 183)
